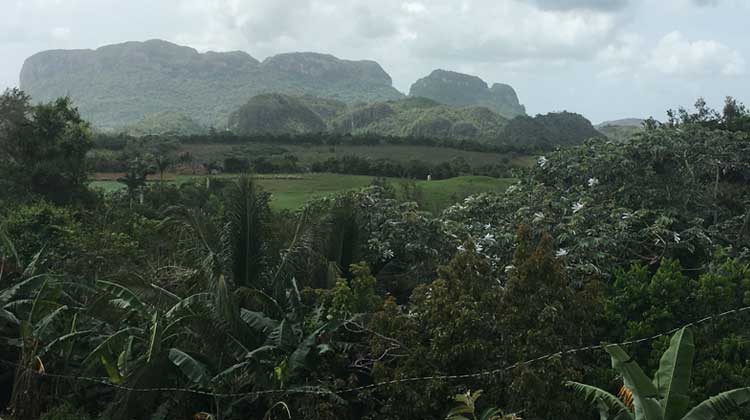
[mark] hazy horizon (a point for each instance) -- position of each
(607, 60)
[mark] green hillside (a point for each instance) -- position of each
(165, 122)
(118, 85)
(463, 90)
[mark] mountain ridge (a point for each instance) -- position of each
(120, 84)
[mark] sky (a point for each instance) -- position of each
(605, 59)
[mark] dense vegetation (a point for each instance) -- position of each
(331, 312)
(413, 117)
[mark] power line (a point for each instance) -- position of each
(320, 391)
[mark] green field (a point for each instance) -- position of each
(292, 191)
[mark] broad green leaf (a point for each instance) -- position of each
(154, 344)
(258, 321)
(673, 377)
(610, 407)
(192, 368)
(66, 338)
(283, 336)
(720, 406)
(47, 320)
(114, 374)
(645, 394)
(104, 345)
(121, 292)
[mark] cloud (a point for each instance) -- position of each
(485, 31)
(584, 4)
(705, 2)
(676, 55)
(673, 55)
(61, 33)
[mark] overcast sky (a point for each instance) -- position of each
(606, 59)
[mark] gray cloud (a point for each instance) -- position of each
(705, 2)
(606, 5)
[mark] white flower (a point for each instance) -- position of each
(538, 217)
(489, 237)
(626, 216)
(542, 162)
(479, 248)
(677, 238)
(509, 268)
(593, 182)
(561, 252)
(487, 226)
(577, 207)
(461, 248)
(387, 254)
(511, 189)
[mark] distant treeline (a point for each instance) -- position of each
(358, 165)
(119, 141)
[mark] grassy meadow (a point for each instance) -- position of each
(290, 192)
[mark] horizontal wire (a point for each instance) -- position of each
(318, 391)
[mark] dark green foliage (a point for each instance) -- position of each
(44, 147)
(200, 286)
(275, 114)
(553, 129)
(165, 123)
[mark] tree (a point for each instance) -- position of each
(665, 397)
(43, 146)
(164, 154)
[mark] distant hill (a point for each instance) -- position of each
(552, 129)
(408, 117)
(165, 123)
(625, 122)
(419, 117)
(274, 113)
(118, 85)
(462, 90)
(621, 129)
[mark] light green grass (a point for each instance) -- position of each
(293, 191)
(437, 195)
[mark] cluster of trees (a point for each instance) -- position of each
(202, 287)
(413, 169)
(118, 153)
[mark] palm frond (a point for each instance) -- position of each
(720, 406)
(609, 406)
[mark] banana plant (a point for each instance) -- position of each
(665, 397)
(467, 409)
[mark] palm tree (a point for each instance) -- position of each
(665, 397)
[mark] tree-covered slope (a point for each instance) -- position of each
(165, 123)
(621, 129)
(462, 90)
(276, 114)
(408, 117)
(118, 85)
(552, 129)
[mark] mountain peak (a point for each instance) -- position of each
(459, 89)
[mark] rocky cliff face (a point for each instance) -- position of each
(457, 89)
(117, 85)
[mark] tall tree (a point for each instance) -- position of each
(43, 146)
